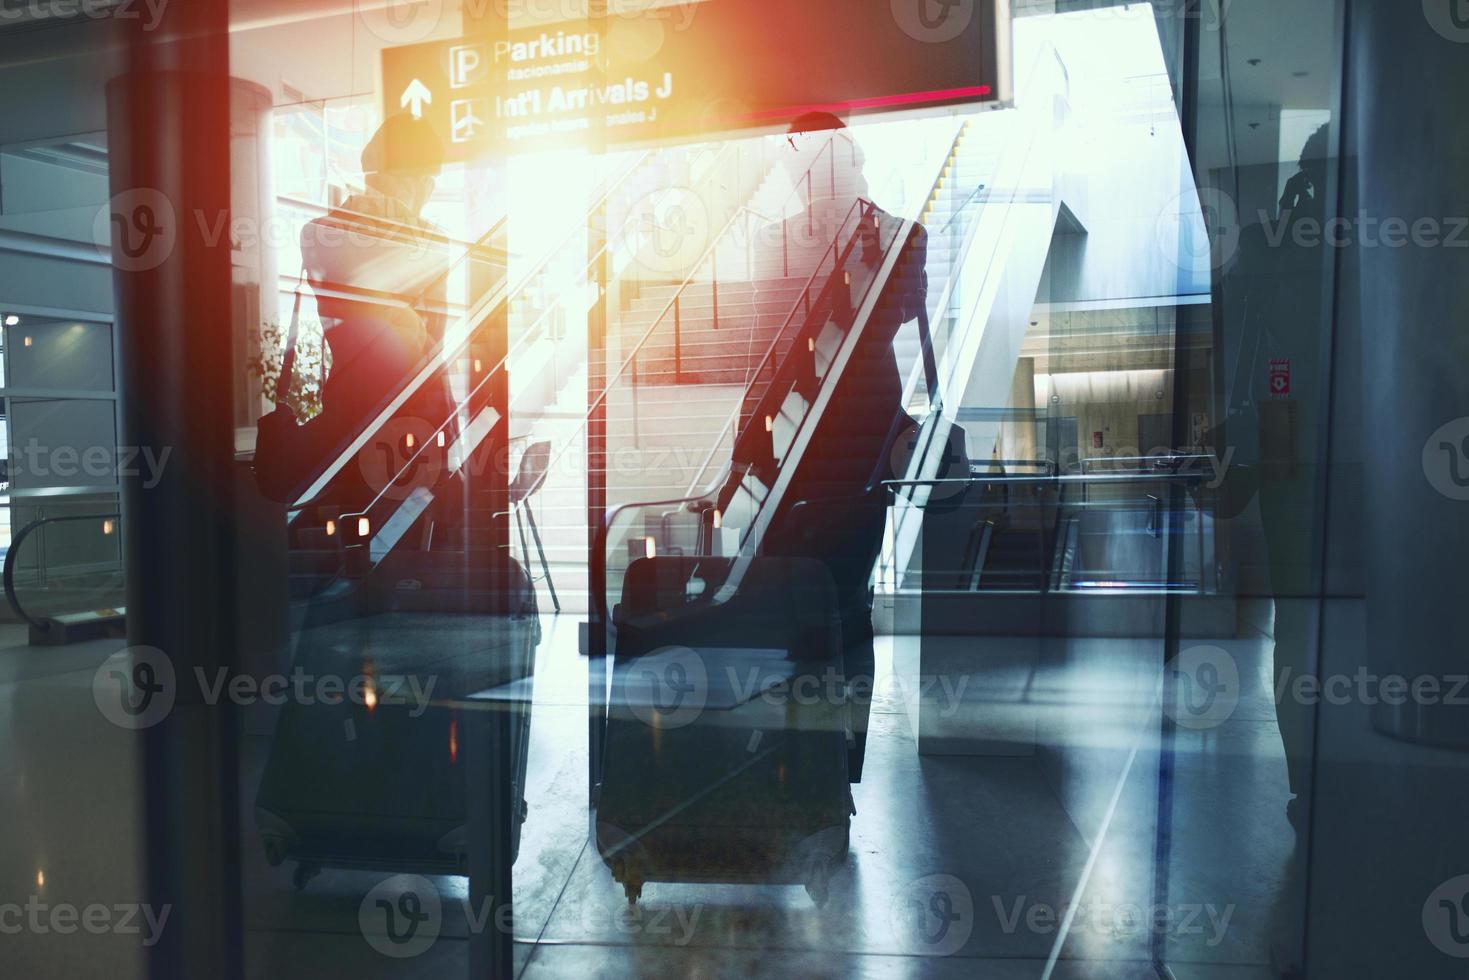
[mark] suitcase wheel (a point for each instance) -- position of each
(633, 890)
(304, 874)
(632, 882)
(818, 885)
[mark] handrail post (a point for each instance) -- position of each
(810, 214)
(677, 340)
(714, 272)
(41, 550)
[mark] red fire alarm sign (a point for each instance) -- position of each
(1279, 377)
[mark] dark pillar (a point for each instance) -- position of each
(1387, 896)
(169, 141)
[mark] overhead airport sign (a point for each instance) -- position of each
(719, 66)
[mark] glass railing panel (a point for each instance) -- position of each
(1067, 534)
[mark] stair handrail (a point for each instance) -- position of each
(40, 625)
(716, 241)
(478, 314)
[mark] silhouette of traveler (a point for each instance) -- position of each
(835, 508)
(377, 270)
(1272, 309)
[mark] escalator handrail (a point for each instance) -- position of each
(40, 625)
(775, 341)
(478, 314)
(770, 351)
(1060, 480)
(875, 288)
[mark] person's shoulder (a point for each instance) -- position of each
(918, 234)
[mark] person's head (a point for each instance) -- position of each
(807, 134)
(403, 160)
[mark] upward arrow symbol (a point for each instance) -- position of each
(414, 96)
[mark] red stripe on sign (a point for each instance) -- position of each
(877, 102)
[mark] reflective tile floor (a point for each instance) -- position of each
(1050, 861)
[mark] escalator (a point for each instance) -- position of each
(988, 232)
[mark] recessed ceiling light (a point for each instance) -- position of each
(12, 320)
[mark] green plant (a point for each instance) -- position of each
(313, 365)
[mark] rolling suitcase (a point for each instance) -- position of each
(378, 782)
(726, 748)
